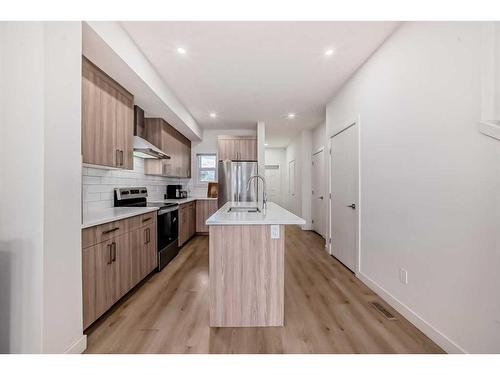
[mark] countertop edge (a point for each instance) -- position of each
(136, 212)
(290, 218)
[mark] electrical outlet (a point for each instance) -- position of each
(403, 276)
(275, 231)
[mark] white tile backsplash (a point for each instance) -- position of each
(98, 184)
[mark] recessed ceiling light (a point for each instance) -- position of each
(213, 114)
(329, 52)
(266, 144)
(291, 115)
(181, 51)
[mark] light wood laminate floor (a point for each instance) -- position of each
(327, 310)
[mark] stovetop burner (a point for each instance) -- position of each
(136, 197)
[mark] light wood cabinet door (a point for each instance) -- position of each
(174, 144)
(149, 256)
(187, 166)
(137, 240)
(192, 219)
(107, 120)
(99, 281)
(228, 149)
(122, 260)
(98, 118)
(247, 149)
(154, 167)
(91, 118)
(183, 224)
(107, 152)
(204, 209)
(153, 129)
(125, 130)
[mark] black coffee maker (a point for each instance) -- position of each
(174, 191)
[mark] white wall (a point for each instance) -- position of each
(62, 281)
(429, 182)
(277, 156)
(300, 150)
(306, 177)
(40, 247)
(320, 141)
(21, 215)
(99, 184)
(261, 156)
(319, 138)
(208, 145)
(294, 203)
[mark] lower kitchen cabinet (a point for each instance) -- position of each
(204, 209)
(144, 253)
(114, 266)
(99, 280)
(187, 222)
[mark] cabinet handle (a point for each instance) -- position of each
(149, 235)
(114, 251)
(110, 230)
(121, 152)
(108, 246)
(147, 219)
(117, 163)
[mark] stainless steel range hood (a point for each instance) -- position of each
(143, 148)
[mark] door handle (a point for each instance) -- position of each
(321, 198)
(110, 230)
(108, 246)
(353, 206)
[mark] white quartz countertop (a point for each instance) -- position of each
(274, 214)
(187, 200)
(107, 215)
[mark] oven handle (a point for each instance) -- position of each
(166, 210)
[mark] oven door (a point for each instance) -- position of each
(168, 232)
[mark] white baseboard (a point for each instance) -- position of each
(78, 346)
(435, 335)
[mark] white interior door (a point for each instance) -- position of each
(344, 202)
(273, 184)
(318, 192)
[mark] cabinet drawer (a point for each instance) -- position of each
(110, 230)
(147, 219)
(88, 237)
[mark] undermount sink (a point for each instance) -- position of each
(244, 209)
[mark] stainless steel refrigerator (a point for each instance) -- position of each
(233, 180)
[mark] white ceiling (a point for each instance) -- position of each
(249, 71)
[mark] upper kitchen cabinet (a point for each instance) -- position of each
(171, 142)
(237, 148)
(107, 120)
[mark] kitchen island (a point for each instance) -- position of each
(246, 264)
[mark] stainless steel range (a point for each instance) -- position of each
(167, 227)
